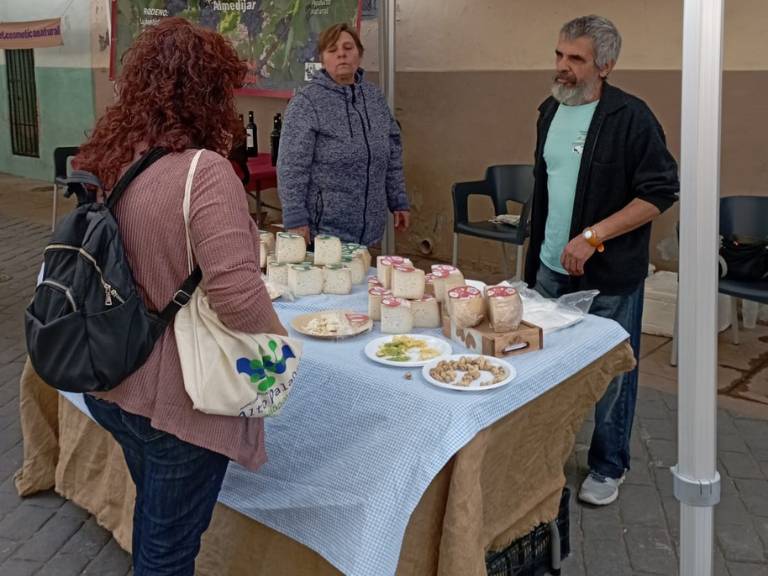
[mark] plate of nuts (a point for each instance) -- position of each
(468, 372)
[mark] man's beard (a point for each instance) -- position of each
(581, 93)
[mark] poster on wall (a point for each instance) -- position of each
(277, 38)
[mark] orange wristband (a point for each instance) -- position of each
(592, 238)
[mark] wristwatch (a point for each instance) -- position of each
(592, 238)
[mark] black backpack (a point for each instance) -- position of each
(87, 327)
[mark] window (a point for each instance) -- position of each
(22, 102)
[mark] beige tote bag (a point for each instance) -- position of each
(227, 372)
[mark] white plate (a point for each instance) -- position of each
(438, 344)
(474, 386)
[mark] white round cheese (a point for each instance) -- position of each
(269, 239)
(337, 279)
(357, 266)
(466, 306)
(426, 312)
(277, 273)
(290, 248)
(305, 279)
(505, 308)
(327, 250)
(263, 254)
(396, 317)
(407, 282)
(375, 295)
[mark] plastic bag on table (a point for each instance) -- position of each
(553, 314)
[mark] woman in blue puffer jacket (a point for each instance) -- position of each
(340, 167)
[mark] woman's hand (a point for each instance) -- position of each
(402, 220)
(301, 231)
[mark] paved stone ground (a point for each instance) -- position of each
(46, 535)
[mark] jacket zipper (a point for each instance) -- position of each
(109, 291)
(64, 289)
(368, 166)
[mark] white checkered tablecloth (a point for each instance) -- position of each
(357, 444)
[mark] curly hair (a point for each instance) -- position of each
(176, 90)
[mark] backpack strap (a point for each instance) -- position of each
(183, 295)
(147, 159)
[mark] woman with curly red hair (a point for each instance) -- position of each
(176, 92)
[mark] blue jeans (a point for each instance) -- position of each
(177, 485)
(614, 412)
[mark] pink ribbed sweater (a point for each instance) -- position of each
(225, 242)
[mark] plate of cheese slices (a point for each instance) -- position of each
(332, 324)
(406, 350)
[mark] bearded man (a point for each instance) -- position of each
(603, 173)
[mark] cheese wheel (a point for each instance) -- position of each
(357, 267)
(366, 256)
(384, 268)
(396, 316)
(407, 282)
(438, 284)
(505, 308)
(374, 281)
(277, 273)
(426, 312)
(327, 250)
(305, 280)
(429, 284)
(290, 248)
(263, 254)
(337, 279)
(269, 239)
(375, 295)
(466, 306)
(455, 277)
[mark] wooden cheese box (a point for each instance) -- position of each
(482, 340)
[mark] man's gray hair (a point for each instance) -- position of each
(606, 39)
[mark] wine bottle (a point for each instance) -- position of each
(274, 137)
(251, 136)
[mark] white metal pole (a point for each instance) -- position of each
(696, 481)
(387, 82)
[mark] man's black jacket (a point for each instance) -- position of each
(625, 157)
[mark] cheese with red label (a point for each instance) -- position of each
(327, 250)
(290, 248)
(396, 316)
(426, 312)
(384, 268)
(375, 295)
(407, 282)
(466, 306)
(337, 279)
(505, 308)
(305, 280)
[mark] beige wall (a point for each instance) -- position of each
(472, 72)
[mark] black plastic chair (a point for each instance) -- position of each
(746, 217)
(61, 157)
(503, 183)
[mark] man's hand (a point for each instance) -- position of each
(301, 231)
(575, 254)
(402, 220)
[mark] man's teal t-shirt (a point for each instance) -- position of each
(562, 153)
